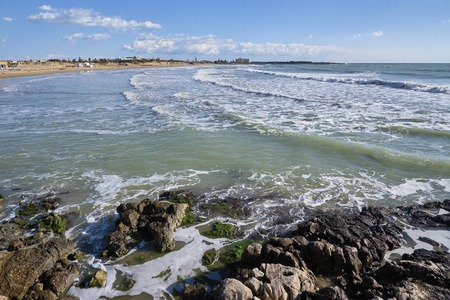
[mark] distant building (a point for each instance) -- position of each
(84, 65)
(242, 60)
(3, 65)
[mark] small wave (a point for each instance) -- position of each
(360, 81)
(202, 75)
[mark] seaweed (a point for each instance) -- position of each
(221, 230)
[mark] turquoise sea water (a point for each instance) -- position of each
(284, 137)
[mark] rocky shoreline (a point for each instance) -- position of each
(330, 256)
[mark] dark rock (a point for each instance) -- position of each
(427, 255)
(152, 219)
(16, 245)
(252, 254)
(194, 292)
(59, 279)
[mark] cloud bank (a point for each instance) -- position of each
(94, 36)
(86, 17)
(209, 44)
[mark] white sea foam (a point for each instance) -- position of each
(338, 78)
(154, 277)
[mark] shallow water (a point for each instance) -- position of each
(284, 137)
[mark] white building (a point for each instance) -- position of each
(84, 65)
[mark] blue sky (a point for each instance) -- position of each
(319, 30)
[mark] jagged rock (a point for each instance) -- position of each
(16, 245)
(231, 289)
(20, 270)
(255, 285)
(427, 255)
(194, 292)
(59, 279)
(99, 279)
(372, 233)
(258, 274)
(282, 282)
(149, 219)
(252, 254)
(327, 258)
(427, 271)
(413, 291)
(10, 232)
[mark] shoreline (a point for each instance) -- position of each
(56, 68)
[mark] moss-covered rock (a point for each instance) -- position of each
(221, 230)
(189, 219)
(53, 222)
(233, 252)
(29, 209)
(229, 207)
(178, 197)
(99, 279)
(209, 257)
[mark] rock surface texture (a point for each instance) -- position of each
(347, 253)
(150, 219)
(38, 271)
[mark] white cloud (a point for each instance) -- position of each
(8, 19)
(4, 39)
(308, 37)
(46, 7)
(372, 34)
(86, 17)
(376, 33)
(209, 44)
(94, 36)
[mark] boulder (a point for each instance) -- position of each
(21, 269)
(282, 282)
(149, 219)
(231, 289)
(252, 254)
(60, 278)
(99, 279)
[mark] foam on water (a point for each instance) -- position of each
(161, 275)
(221, 131)
(339, 78)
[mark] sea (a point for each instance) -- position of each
(282, 138)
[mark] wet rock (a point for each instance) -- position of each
(426, 271)
(372, 233)
(194, 292)
(231, 289)
(60, 278)
(53, 222)
(20, 270)
(16, 245)
(421, 214)
(428, 255)
(10, 232)
(149, 219)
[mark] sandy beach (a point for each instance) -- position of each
(46, 68)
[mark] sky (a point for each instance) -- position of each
(321, 30)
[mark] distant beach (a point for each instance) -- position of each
(48, 67)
